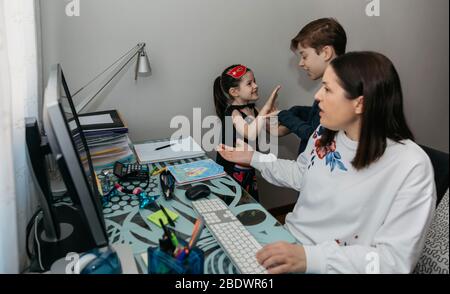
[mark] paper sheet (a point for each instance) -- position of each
(185, 148)
(92, 120)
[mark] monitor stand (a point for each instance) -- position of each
(73, 239)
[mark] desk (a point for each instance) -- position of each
(127, 224)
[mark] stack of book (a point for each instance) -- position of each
(107, 138)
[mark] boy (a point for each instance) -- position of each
(318, 43)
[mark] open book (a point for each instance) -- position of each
(196, 171)
(178, 149)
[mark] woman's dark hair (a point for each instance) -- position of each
(373, 76)
(222, 86)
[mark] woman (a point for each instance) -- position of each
(367, 190)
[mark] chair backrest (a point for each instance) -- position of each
(440, 162)
(435, 258)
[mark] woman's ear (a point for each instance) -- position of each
(234, 92)
(359, 105)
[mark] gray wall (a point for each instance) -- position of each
(190, 41)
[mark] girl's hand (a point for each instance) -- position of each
(270, 104)
(242, 154)
(282, 257)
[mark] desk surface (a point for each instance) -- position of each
(127, 224)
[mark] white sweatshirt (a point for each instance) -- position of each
(368, 221)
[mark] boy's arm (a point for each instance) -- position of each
(274, 128)
(301, 111)
(295, 124)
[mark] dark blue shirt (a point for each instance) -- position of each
(302, 121)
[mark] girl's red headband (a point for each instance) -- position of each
(237, 72)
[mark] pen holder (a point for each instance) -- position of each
(160, 262)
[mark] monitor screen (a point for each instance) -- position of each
(70, 150)
(79, 140)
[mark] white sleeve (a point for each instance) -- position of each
(397, 245)
(282, 172)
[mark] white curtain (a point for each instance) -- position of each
(20, 89)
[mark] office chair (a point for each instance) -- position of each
(439, 160)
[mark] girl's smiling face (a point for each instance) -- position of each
(247, 90)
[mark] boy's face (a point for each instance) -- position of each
(314, 64)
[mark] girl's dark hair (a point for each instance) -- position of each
(222, 86)
(373, 76)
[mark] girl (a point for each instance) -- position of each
(367, 190)
(235, 92)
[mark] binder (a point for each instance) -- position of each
(108, 120)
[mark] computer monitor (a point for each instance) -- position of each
(69, 148)
(64, 228)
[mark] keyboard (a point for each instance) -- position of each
(230, 233)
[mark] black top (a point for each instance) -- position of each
(228, 166)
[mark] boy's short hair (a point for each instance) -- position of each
(319, 33)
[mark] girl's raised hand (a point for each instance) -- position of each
(270, 104)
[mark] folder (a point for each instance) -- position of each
(108, 120)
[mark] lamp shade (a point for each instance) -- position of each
(144, 64)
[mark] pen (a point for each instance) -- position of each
(165, 146)
(153, 170)
(198, 227)
(174, 239)
(170, 234)
(159, 171)
(182, 254)
(166, 231)
(169, 219)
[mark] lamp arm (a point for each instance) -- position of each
(137, 49)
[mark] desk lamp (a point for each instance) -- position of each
(142, 68)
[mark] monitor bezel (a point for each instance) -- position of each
(63, 148)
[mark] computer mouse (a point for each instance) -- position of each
(197, 192)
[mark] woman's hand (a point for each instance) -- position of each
(282, 257)
(270, 104)
(242, 154)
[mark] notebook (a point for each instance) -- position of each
(196, 171)
(184, 148)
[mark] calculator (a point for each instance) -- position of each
(131, 172)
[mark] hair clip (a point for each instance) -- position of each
(237, 72)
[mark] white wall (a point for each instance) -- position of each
(190, 41)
